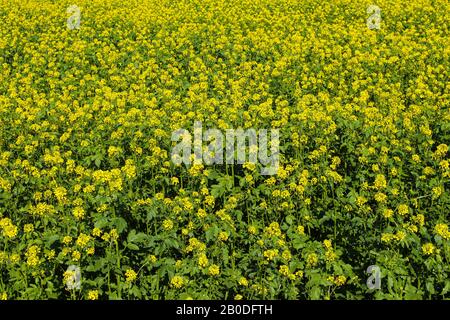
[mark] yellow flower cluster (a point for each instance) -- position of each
(32, 255)
(130, 275)
(8, 228)
(87, 123)
(442, 230)
(177, 281)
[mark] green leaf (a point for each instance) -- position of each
(211, 233)
(171, 243)
(430, 287)
(411, 293)
(290, 219)
(135, 290)
(132, 246)
(50, 240)
(446, 288)
(131, 236)
(120, 224)
(315, 293)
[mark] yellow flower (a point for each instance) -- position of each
(252, 230)
(78, 212)
(32, 255)
(441, 151)
(286, 255)
(8, 228)
(243, 281)
(394, 172)
(442, 230)
(114, 151)
(214, 270)
(387, 237)
(380, 197)
(93, 294)
(106, 237)
(89, 189)
(400, 235)
(380, 181)
(96, 232)
(129, 169)
(273, 229)
(360, 201)
(28, 228)
(113, 234)
(444, 165)
(416, 158)
(403, 209)
(168, 224)
(174, 181)
(76, 255)
(201, 213)
(202, 260)
(312, 259)
(419, 219)
(284, 270)
(69, 276)
(340, 280)
(223, 236)
(270, 254)
(387, 213)
(330, 255)
(437, 192)
(15, 258)
(102, 208)
(83, 240)
(428, 171)
(130, 275)
(428, 248)
(177, 282)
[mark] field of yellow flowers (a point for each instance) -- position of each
(87, 182)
